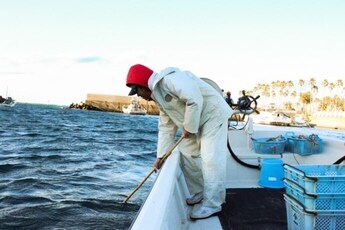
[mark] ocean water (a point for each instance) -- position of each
(71, 169)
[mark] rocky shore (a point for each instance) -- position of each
(83, 105)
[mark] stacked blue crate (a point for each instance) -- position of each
(315, 196)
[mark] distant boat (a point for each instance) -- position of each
(134, 107)
(281, 118)
(8, 101)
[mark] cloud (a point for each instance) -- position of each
(14, 73)
(89, 59)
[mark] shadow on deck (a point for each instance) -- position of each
(254, 208)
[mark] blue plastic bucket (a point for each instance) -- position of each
(272, 173)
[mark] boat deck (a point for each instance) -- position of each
(254, 208)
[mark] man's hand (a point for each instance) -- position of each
(158, 163)
(186, 133)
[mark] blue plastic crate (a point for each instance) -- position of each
(317, 179)
(274, 145)
(326, 202)
(305, 145)
(298, 218)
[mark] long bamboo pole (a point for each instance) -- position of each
(154, 169)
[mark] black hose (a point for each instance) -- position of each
(339, 161)
(239, 161)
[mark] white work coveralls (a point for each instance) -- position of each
(186, 101)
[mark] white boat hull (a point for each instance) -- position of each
(134, 108)
(134, 112)
(12, 104)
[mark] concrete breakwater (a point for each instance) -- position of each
(113, 103)
(329, 119)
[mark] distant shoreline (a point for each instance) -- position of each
(329, 122)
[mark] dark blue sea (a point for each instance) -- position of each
(71, 169)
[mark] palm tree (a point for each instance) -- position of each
(301, 84)
(293, 95)
(283, 84)
(314, 91)
(287, 103)
(312, 82)
(324, 85)
(274, 97)
(305, 99)
(331, 87)
(339, 85)
(290, 84)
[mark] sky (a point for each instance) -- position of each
(57, 51)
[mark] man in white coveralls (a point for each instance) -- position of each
(189, 103)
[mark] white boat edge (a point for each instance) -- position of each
(165, 206)
(8, 105)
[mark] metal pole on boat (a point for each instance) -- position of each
(154, 169)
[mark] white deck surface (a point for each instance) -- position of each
(206, 224)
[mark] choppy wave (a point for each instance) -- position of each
(72, 169)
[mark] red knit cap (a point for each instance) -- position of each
(138, 75)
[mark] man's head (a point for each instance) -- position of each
(228, 93)
(137, 79)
